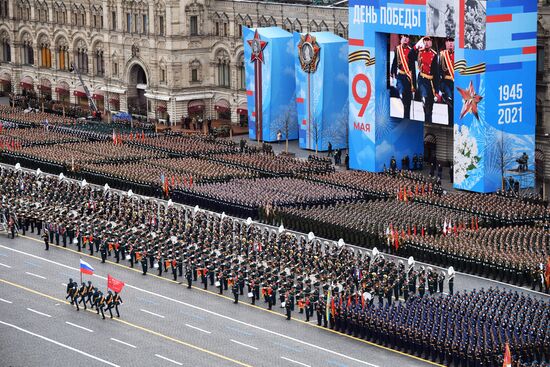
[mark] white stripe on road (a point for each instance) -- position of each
(38, 312)
(199, 329)
(7, 266)
(78, 326)
(151, 313)
(243, 344)
(5, 300)
(169, 360)
(60, 344)
(293, 361)
(198, 308)
(121, 342)
(35, 275)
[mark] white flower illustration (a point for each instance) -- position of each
(465, 155)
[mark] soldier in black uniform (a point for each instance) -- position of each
(144, 264)
(100, 303)
(188, 274)
(109, 302)
(82, 293)
(235, 291)
(46, 239)
(103, 251)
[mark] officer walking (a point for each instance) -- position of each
(46, 239)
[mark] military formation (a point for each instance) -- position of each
(361, 293)
(88, 294)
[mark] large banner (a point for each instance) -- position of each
(321, 61)
(270, 83)
(469, 64)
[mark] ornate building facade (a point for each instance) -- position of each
(157, 58)
(181, 58)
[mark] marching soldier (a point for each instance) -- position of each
(71, 292)
(404, 71)
(82, 292)
(100, 303)
(109, 302)
(427, 77)
(116, 302)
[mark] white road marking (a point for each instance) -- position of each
(293, 361)
(35, 275)
(38, 312)
(169, 360)
(58, 343)
(121, 342)
(80, 327)
(243, 344)
(199, 329)
(198, 308)
(151, 313)
(64, 284)
(7, 266)
(5, 300)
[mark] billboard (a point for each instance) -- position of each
(321, 61)
(270, 83)
(491, 76)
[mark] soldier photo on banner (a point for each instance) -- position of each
(422, 87)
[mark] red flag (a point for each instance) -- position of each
(190, 181)
(142, 136)
(114, 284)
(507, 356)
(415, 229)
(422, 231)
(332, 307)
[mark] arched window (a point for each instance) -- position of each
(297, 26)
(163, 77)
(99, 61)
(81, 57)
(341, 30)
(62, 48)
(5, 55)
(194, 12)
(222, 60)
(313, 27)
(45, 52)
(263, 22)
(195, 71)
(323, 27)
(60, 13)
(241, 72)
(27, 53)
(272, 22)
(23, 10)
(42, 9)
(97, 17)
(287, 25)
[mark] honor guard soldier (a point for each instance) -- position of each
(109, 302)
(427, 77)
(103, 251)
(288, 307)
(100, 303)
(404, 71)
(72, 288)
(116, 301)
(90, 293)
(235, 290)
(447, 74)
(451, 273)
(82, 292)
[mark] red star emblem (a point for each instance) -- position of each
(470, 99)
(257, 46)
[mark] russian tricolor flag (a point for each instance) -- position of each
(86, 268)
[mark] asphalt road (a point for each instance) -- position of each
(162, 322)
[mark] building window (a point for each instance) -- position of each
(4, 8)
(62, 57)
(81, 58)
(163, 75)
(240, 30)
(128, 22)
(45, 55)
(115, 68)
(6, 49)
(161, 25)
(99, 63)
(136, 20)
(194, 26)
(28, 53)
(194, 75)
(223, 68)
(144, 24)
(113, 20)
(242, 75)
